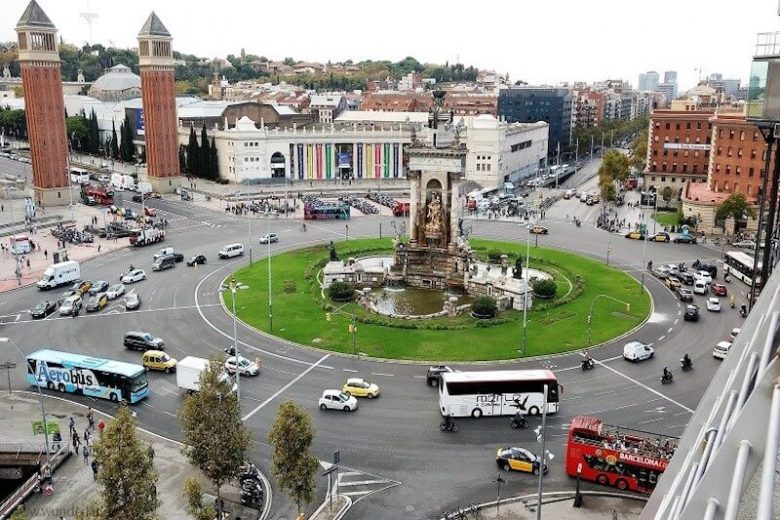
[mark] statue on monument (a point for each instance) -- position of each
(433, 219)
(517, 274)
(332, 248)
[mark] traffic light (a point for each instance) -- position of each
(328, 316)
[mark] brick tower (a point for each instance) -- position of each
(159, 101)
(39, 60)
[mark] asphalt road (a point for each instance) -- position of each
(402, 466)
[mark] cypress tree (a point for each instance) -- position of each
(114, 142)
(94, 133)
(192, 152)
(182, 160)
(205, 154)
(214, 164)
(127, 150)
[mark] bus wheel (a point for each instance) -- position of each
(621, 484)
(533, 410)
(603, 480)
(114, 398)
(477, 413)
(50, 385)
(61, 387)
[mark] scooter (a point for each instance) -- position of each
(743, 311)
(667, 378)
(686, 366)
(518, 423)
(452, 427)
(587, 364)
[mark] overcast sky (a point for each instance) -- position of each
(540, 42)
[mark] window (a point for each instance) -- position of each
(674, 179)
(720, 133)
(677, 126)
(739, 170)
(729, 152)
(709, 140)
(652, 179)
(663, 179)
(657, 125)
(685, 167)
(753, 153)
(725, 185)
(755, 137)
(731, 135)
(739, 152)
(666, 152)
(674, 167)
(728, 169)
(668, 126)
(688, 125)
(655, 152)
(741, 135)
(695, 169)
(751, 171)
(698, 125)
(717, 167)
(663, 167)
(719, 150)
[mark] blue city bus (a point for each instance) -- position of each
(87, 375)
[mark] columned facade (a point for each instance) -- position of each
(158, 89)
(44, 106)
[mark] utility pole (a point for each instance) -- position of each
(542, 454)
(270, 284)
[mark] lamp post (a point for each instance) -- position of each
(18, 271)
(234, 286)
(540, 434)
(270, 284)
(524, 344)
(590, 313)
(40, 398)
(499, 480)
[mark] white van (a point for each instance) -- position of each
(721, 350)
(699, 286)
(637, 351)
(231, 251)
(165, 251)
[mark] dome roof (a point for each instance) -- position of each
(118, 78)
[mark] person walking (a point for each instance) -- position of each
(46, 254)
(85, 452)
(72, 426)
(94, 469)
(91, 418)
(76, 443)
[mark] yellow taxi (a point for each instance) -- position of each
(359, 387)
(635, 235)
(539, 230)
(159, 360)
(518, 459)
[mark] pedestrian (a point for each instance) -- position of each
(150, 452)
(72, 425)
(76, 443)
(94, 469)
(91, 417)
(98, 248)
(46, 254)
(85, 452)
(2, 208)
(28, 264)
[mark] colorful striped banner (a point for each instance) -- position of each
(318, 158)
(386, 161)
(328, 160)
(359, 169)
(309, 161)
(395, 160)
(300, 161)
(369, 162)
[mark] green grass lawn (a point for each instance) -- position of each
(667, 218)
(300, 315)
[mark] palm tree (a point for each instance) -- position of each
(737, 207)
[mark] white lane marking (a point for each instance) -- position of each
(166, 412)
(285, 387)
(381, 374)
(676, 320)
(169, 390)
(419, 377)
(652, 420)
(174, 295)
(662, 338)
(656, 392)
(349, 370)
(362, 482)
(594, 412)
(115, 312)
(669, 330)
(147, 404)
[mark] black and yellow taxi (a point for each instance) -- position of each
(518, 459)
(539, 230)
(97, 302)
(635, 235)
(661, 236)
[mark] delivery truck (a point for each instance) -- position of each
(188, 372)
(59, 274)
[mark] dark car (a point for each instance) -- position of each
(177, 257)
(434, 374)
(686, 278)
(685, 239)
(710, 268)
(89, 201)
(197, 259)
(99, 287)
(718, 289)
(685, 294)
(691, 313)
(143, 341)
(139, 198)
(43, 309)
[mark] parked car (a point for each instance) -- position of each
(718, 289)
(135, 340)
(359, 387)
(635, 235)
(246, 367)
(136, 275)
(721, 350)
(539, 230)
(115, 291)
(159, 360)
(691, 313)
(661, 273)
(99, 287)
(337, 400)
(685, 239)
(196, 259)
(70, 305)
(685, 294)
(132, 301)
(713, 304)
(433, 377)
(82, 287)
(518, 459)
(705, 276)
(637, 351)
(97, 302)
(660, 237)
(43, 309)
(673, 283)
(269, 238)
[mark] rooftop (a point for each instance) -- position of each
(154, 27)
(34, 16)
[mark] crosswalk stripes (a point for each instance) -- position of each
(358, 484)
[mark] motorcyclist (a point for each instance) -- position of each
(686, 361)
(743, 310)
(588, 361)
(649, 265)
(519, 419)
(667, 374)
(449, 423)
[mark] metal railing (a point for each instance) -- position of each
(735, 430)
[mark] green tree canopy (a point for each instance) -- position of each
(614, 169)
(217, 439)
(736, 207)
(639, 151)
(292, 464)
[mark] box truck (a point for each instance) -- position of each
(188, 372)
(59, 274)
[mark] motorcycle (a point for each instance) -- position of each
(518, 423)
(686, 365)
(667, 378)
(587, 364)
(743, 311)
(448, 427)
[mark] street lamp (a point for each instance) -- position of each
(544, 455)
(234, 286)
(524, 345)
(40, 398)
(270, 286)
(499, 480)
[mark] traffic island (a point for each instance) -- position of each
(576, 316)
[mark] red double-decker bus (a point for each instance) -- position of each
(616, 456)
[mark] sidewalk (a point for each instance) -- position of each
(593, 508)
(73, 481)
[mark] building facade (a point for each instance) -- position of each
(39, 60)
(531, 104)
(159, 103)
(471, 104)
(326, 108)
(648, 81)
(397, 102)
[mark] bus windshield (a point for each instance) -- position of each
(139, 382)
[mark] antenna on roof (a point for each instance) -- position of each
(89, 16)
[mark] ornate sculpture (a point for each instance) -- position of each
(433, 219)
(518, 272)
(332, 248)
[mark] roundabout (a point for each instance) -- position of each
(304, 314)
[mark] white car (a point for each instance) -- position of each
(247, 368)
(337, 400)
(136, 275)
(713, 304)
(747, 244)
(734, 333)
(70, 303)
(269, 238)
(705, 276)
(637, 351)
(721, 350)
(115, 291)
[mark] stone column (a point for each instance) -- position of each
(414, 194)
(454, 209)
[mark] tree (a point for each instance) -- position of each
(614, 167)
(19, 514)
(114, 142)
(182, 160)
(639, 151)
(127, 150)
(126, 473)
(607, 189)
(216, 437)
(193, 492)
(204, 159)
(213, 162)
(292, 464)
(78, 131)
(736, 207)
(192, 152)
(667, 193)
